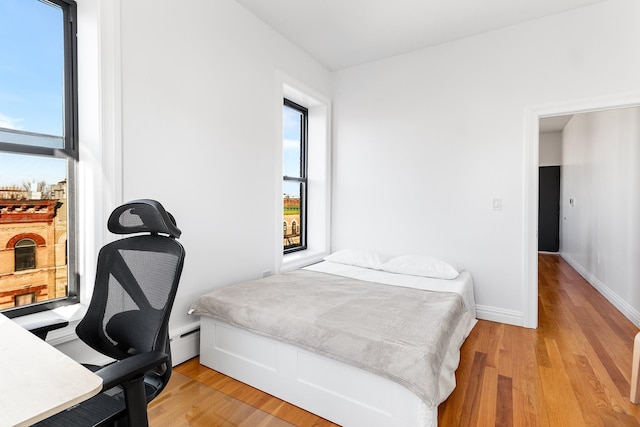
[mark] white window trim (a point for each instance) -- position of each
(100, 104)
(319, 173)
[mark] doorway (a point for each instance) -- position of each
(533, 128)
(549, 209)
(549, 175)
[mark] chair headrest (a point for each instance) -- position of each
(140, 216)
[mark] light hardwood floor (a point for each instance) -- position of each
(574, 370)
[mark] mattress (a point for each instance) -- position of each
(410, 333)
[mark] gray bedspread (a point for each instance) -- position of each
(399, 333)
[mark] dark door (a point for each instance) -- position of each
(549, 209)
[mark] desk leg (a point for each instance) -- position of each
(635, 371)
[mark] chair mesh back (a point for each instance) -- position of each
(136, 283)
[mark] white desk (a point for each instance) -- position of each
(37, 380)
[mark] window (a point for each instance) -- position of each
(24, 299)
(25, 254)
(295, 123)
(305, 140)
(38, 154)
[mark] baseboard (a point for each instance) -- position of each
(618, 302)
(494, 314)
(185, 345)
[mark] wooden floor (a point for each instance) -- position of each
(574, 370)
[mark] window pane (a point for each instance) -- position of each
(22, 170)
(292, 148)
(291, 202)
(38, 108)
(31, 72)
(33, 228)
(294, 175)
(25, 255)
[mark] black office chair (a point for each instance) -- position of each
(136, 282)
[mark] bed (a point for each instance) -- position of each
(350, 342)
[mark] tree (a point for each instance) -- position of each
(40, 187)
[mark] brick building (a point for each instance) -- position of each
(291, 223)
(33, 248)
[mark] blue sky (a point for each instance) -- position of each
(31, 80)
(31, 70)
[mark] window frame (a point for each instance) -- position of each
(302, 179)
(69, 152)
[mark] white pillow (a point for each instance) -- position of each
(357, 257)
(421, 265)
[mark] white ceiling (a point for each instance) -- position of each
(343, 33)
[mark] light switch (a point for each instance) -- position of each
(497, 204)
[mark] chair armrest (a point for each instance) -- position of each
(130, 368)
(42, 327)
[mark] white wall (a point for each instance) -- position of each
(200, 123)
(424, 141)
(550, 149)
(601, 230)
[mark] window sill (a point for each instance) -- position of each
(72, 313)
(300, 259)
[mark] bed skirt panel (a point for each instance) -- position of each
(341, 393)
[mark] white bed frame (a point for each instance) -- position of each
(333, 390)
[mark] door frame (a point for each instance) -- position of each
(530, 201)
